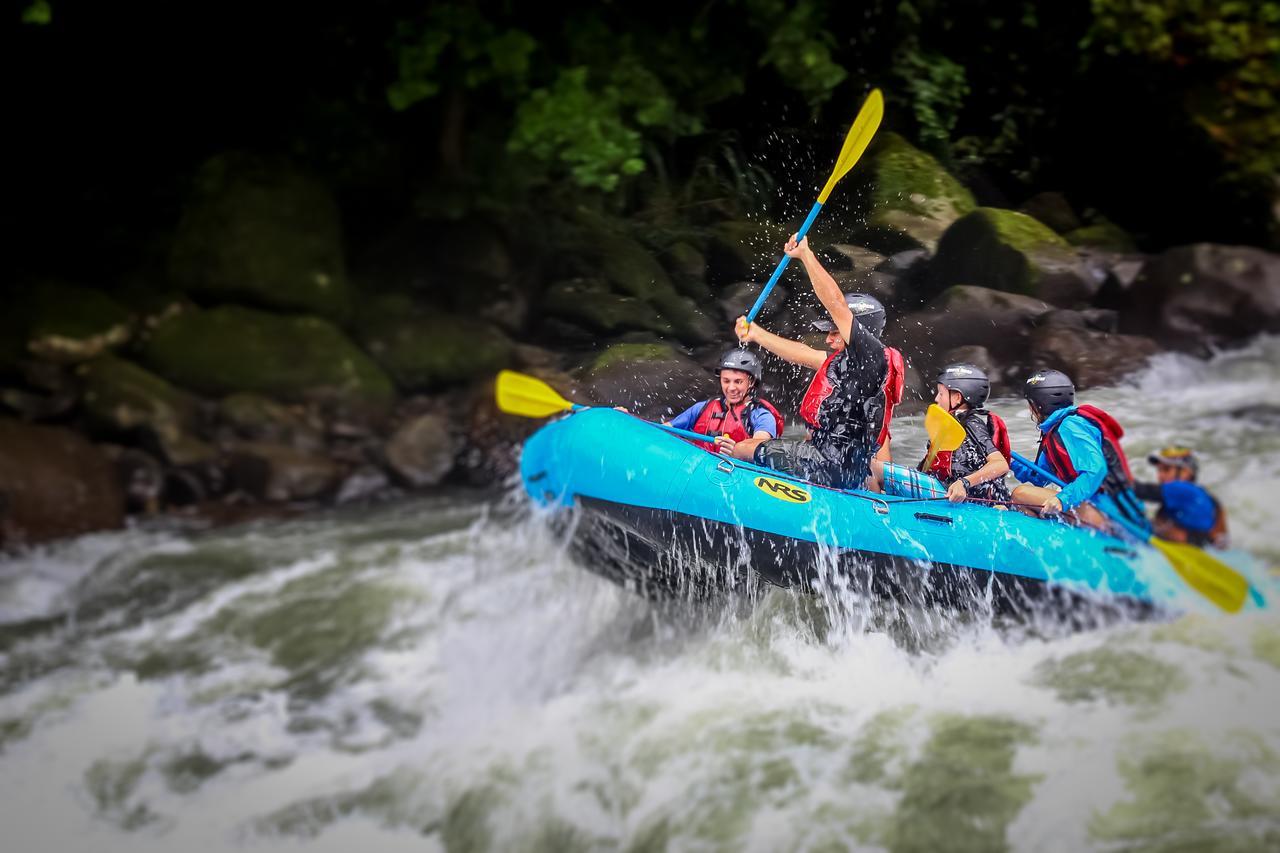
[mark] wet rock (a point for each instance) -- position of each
(424, 349)
(362, 484)
(1090, 357)
(54, 483)
(1053, 209)
(280, 473)
(1205, 294)
(591, 304)
(903, 263)
(740, 250)
(140, 475)
(652, 380)
(491, 452)
(31, 406)
(912, 198)
(125, 401)
(257, 418)
(65, 324)
(224, 350)
(1098, 319)
(1009, 251)
(736, 300)
(422, 451)
(847, 256)
(967, 316)
(688, 269)
(263, 232)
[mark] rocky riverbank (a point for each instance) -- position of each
(252, 366)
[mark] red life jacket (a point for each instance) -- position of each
(1118, 478)
(999, 437)
(718, 419)
(894, 382)
(820, 389)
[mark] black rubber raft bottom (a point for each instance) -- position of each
(663, 555)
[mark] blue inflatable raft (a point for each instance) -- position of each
(659, 514)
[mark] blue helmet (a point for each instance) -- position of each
(1189, 506)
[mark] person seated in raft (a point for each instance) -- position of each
(855, 386)
(976, 468)
(738, 415)
(1080, 445)
(1188, 512)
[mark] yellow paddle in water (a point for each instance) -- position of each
(945, 434)
(523, 395)
(1203, 572)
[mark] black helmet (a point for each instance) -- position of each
(867, 309)
(1049, 390)
(969, 379)
(742, 359)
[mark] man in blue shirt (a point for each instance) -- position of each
(1080, 445)
(738, 419)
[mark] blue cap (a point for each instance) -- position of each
(1189, 506)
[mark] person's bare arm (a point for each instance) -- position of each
(824, 286)
(792, 351)
(995, 468)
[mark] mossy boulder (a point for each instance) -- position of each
(652, 380)
(123, 400)
(262, 232)
(67, 324)
(910, 198)
(631, 270)
(591, 304)
(299, 359)
(423, 349)
(1102, 235)
(1010, 251)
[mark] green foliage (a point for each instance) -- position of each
(457, 45)
(938, 88)
(39, 13)
(594, 130)
(799, 46)
(1228, 53)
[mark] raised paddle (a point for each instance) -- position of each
(1210, 577)
(945, 433)
(864, 127)
(523, 395)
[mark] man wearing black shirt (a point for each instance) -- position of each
(850, 400)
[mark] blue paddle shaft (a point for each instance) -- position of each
(1133, 529)
(683, 433)
(782, 264)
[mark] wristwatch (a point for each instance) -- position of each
(968, 487)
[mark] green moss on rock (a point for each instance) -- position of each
(590, 303)
(68, 324)
(122, 397)
(905, 178)
(1104, 235)
(262, 232)
(424, 349)
(228, 349)
(1001, 249)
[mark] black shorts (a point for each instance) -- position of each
(801, 459)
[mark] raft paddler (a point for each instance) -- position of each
(1188, 512)
(739, 419)
(1079, 445)
(977, 468)
(855, 386)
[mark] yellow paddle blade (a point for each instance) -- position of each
(945, 432)
(864, 127)
(1210, 577)
(519, 394)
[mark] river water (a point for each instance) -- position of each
(438, 674)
